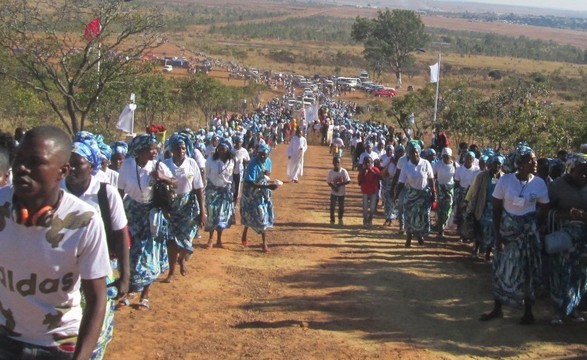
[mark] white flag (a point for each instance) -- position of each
(127, 118)
(434, 73)
(311, 113)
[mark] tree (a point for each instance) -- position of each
(70, 69)
(390, 39)
(420, 103)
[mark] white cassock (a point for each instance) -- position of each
(295, 152)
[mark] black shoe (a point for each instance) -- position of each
(495, 314)
(420, 240)
(409, 241)
(527, 319)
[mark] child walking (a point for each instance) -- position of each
(337, 179)
(369, 177)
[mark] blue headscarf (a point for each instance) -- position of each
(120, 147)
(141, 142)
(85, 145)
(104, 148)
(264, 148)
(513, 158)
(181, 138)
(497, 159)
(226, 144)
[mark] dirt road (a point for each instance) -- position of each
(332, 293)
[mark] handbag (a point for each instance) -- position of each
(556, 241)
(163, 194)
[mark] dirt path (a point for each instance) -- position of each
(332, 293)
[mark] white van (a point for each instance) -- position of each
(351, 82)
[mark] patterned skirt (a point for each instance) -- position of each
(417, 211)
(387, 195)
(460, 194)
(517, 271)
(148, 252)
(445, 200)
(220, 206)
(183, 222)
(568, 271)
(256, 208)
(486, 238)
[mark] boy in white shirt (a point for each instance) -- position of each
(337, 179)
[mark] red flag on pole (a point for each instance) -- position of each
(93, 29)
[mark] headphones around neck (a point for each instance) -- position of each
(43, 217)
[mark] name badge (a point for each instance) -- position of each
(519, 202)
(179, 171)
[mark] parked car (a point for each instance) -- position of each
(387, 92)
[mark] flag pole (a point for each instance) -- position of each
(437, 89)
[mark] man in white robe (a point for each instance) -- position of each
(295, 153)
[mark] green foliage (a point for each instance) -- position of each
(390, 39)
(310, 28)
(491, 44)
(574, 23)
(45, 40)
(179, 16)
(494, 74)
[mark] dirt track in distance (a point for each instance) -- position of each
(332, 293)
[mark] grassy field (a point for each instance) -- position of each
(254, 52)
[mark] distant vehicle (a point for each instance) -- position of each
(374, 87)
(386, 92)
(363, 75)
(351, 82)
(168, 68)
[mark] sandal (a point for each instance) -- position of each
(265, 249)
(245, 242)
(144, 304)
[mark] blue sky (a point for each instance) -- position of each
(580, 5)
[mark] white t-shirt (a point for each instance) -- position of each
(219, 173)
(373, 155)
(391, 168)
(520, 197)
(416, 176)
(200, 159)
(137, 181)
(188, 175)
(466, 176)
(110, 176)
(240, 156)
(445, 173)
(210, 149)
(338, 177)
(41, 268)
(385, 160)
(90, 196)
(338, 142)
(401, 163)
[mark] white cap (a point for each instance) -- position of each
(447, 151)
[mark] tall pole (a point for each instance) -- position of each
(437, 88)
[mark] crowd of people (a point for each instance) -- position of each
(90, 212)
